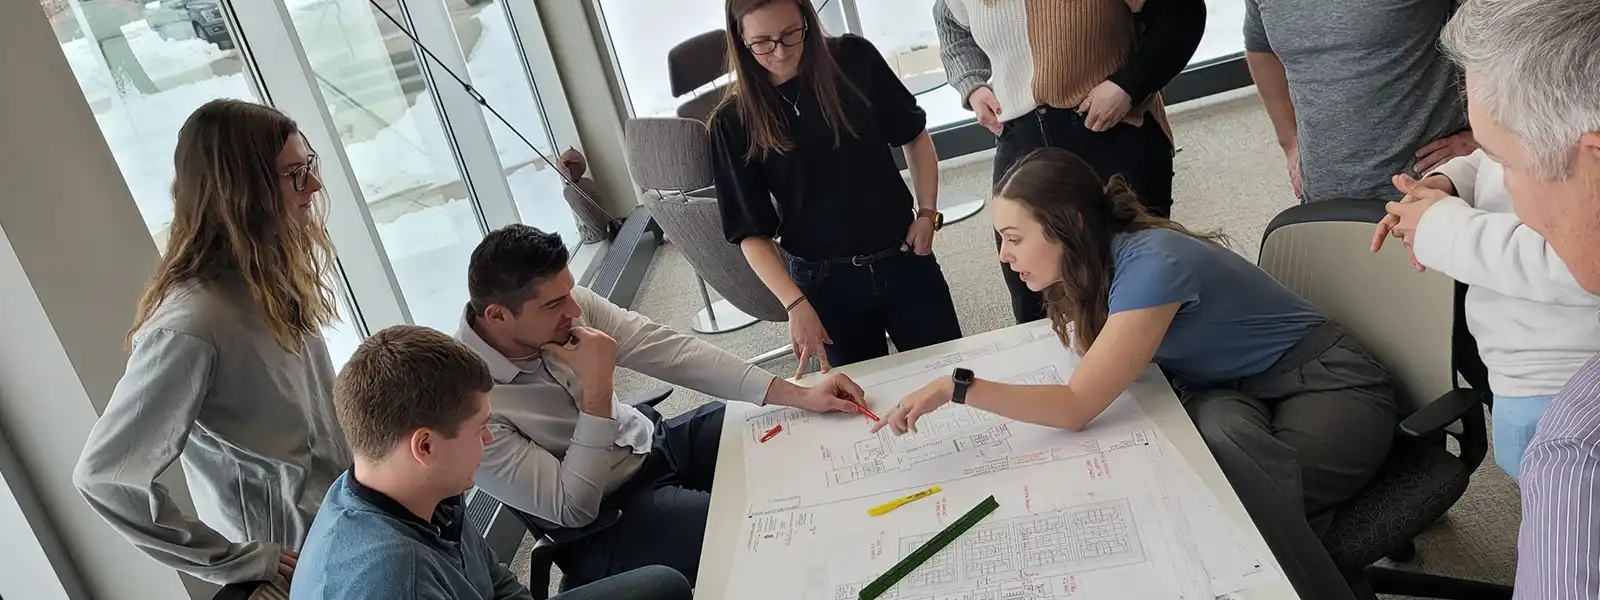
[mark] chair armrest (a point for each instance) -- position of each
(650, 397)
(1440, 413)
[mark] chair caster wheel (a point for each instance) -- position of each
(1404, 553)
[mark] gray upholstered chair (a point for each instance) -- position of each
(670, 157)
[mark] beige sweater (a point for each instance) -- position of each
(1042, 52)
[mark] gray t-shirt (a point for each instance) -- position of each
(1369, 85)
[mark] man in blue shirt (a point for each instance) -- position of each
(413, 403)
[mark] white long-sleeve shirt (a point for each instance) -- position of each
(1534, 324)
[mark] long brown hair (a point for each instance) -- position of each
(1065, 195)
(755, 100)
(229, 219)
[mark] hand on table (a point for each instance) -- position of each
(923, 401)
(987, 107)
(808, 337)
(837, 393)
(1405, 215)
(1443, 149)
(920, 236)
(1105, 106)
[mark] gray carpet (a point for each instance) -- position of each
(1230, 178)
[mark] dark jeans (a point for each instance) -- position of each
(663, 506)
(645, 583)
(1298, 439)
(897, 293)
(1141, 154)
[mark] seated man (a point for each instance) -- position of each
(564, 450)
(414, 404)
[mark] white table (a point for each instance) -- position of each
(1150, 390)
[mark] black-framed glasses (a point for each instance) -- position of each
(301, 175)
(789, 39)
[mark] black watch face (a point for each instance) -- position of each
(963, 375)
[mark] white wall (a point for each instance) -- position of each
(74, 253)
(586, 75)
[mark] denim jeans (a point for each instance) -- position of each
(1141, 154)
(903, 295)
(1514, 422)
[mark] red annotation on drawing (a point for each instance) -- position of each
(1098, 467)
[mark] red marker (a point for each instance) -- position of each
(771, 432)
(868, 413)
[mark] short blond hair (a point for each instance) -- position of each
(404, 378)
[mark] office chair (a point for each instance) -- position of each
(1411, 322)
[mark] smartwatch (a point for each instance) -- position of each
(936, 216)
(963, 380)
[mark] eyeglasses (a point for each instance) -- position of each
(789, 39)
(301, 175)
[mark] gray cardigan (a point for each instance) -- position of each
(253, 424)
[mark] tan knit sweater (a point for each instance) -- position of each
(1049, 52)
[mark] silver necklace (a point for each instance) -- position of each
(794, 104)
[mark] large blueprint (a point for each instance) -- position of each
(1110, 512)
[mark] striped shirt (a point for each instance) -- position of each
(1558, 549)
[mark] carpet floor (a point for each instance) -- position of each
(1231, 179)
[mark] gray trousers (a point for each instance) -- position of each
(1298, 439)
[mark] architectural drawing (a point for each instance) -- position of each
(1013, 551)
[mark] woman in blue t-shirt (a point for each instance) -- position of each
(1291, 406)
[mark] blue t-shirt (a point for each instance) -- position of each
(1234, 320)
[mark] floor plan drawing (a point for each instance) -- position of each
(1057, 535)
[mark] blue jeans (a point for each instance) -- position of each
(900, 294)
(654, 582)
(1514, 422)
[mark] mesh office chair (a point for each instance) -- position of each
(1411, 323)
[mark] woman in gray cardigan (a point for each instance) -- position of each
(228, 369)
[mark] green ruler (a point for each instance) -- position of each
(928, 549)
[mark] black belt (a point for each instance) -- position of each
(862, 260)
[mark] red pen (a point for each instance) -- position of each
(771, 432)
(868, 413)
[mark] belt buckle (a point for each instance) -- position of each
(856, 261)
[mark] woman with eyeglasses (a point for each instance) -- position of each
(228, 370)
(1084, 76)
(802, 147)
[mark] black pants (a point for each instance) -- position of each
(663, 506)
(1298, 439)
(1141, 154)
(896, 292)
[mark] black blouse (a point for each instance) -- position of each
(831, 201)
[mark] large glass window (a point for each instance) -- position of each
(495, 65)
(641, 32)
(144, 67)
(377, 93)
(1224, 31)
